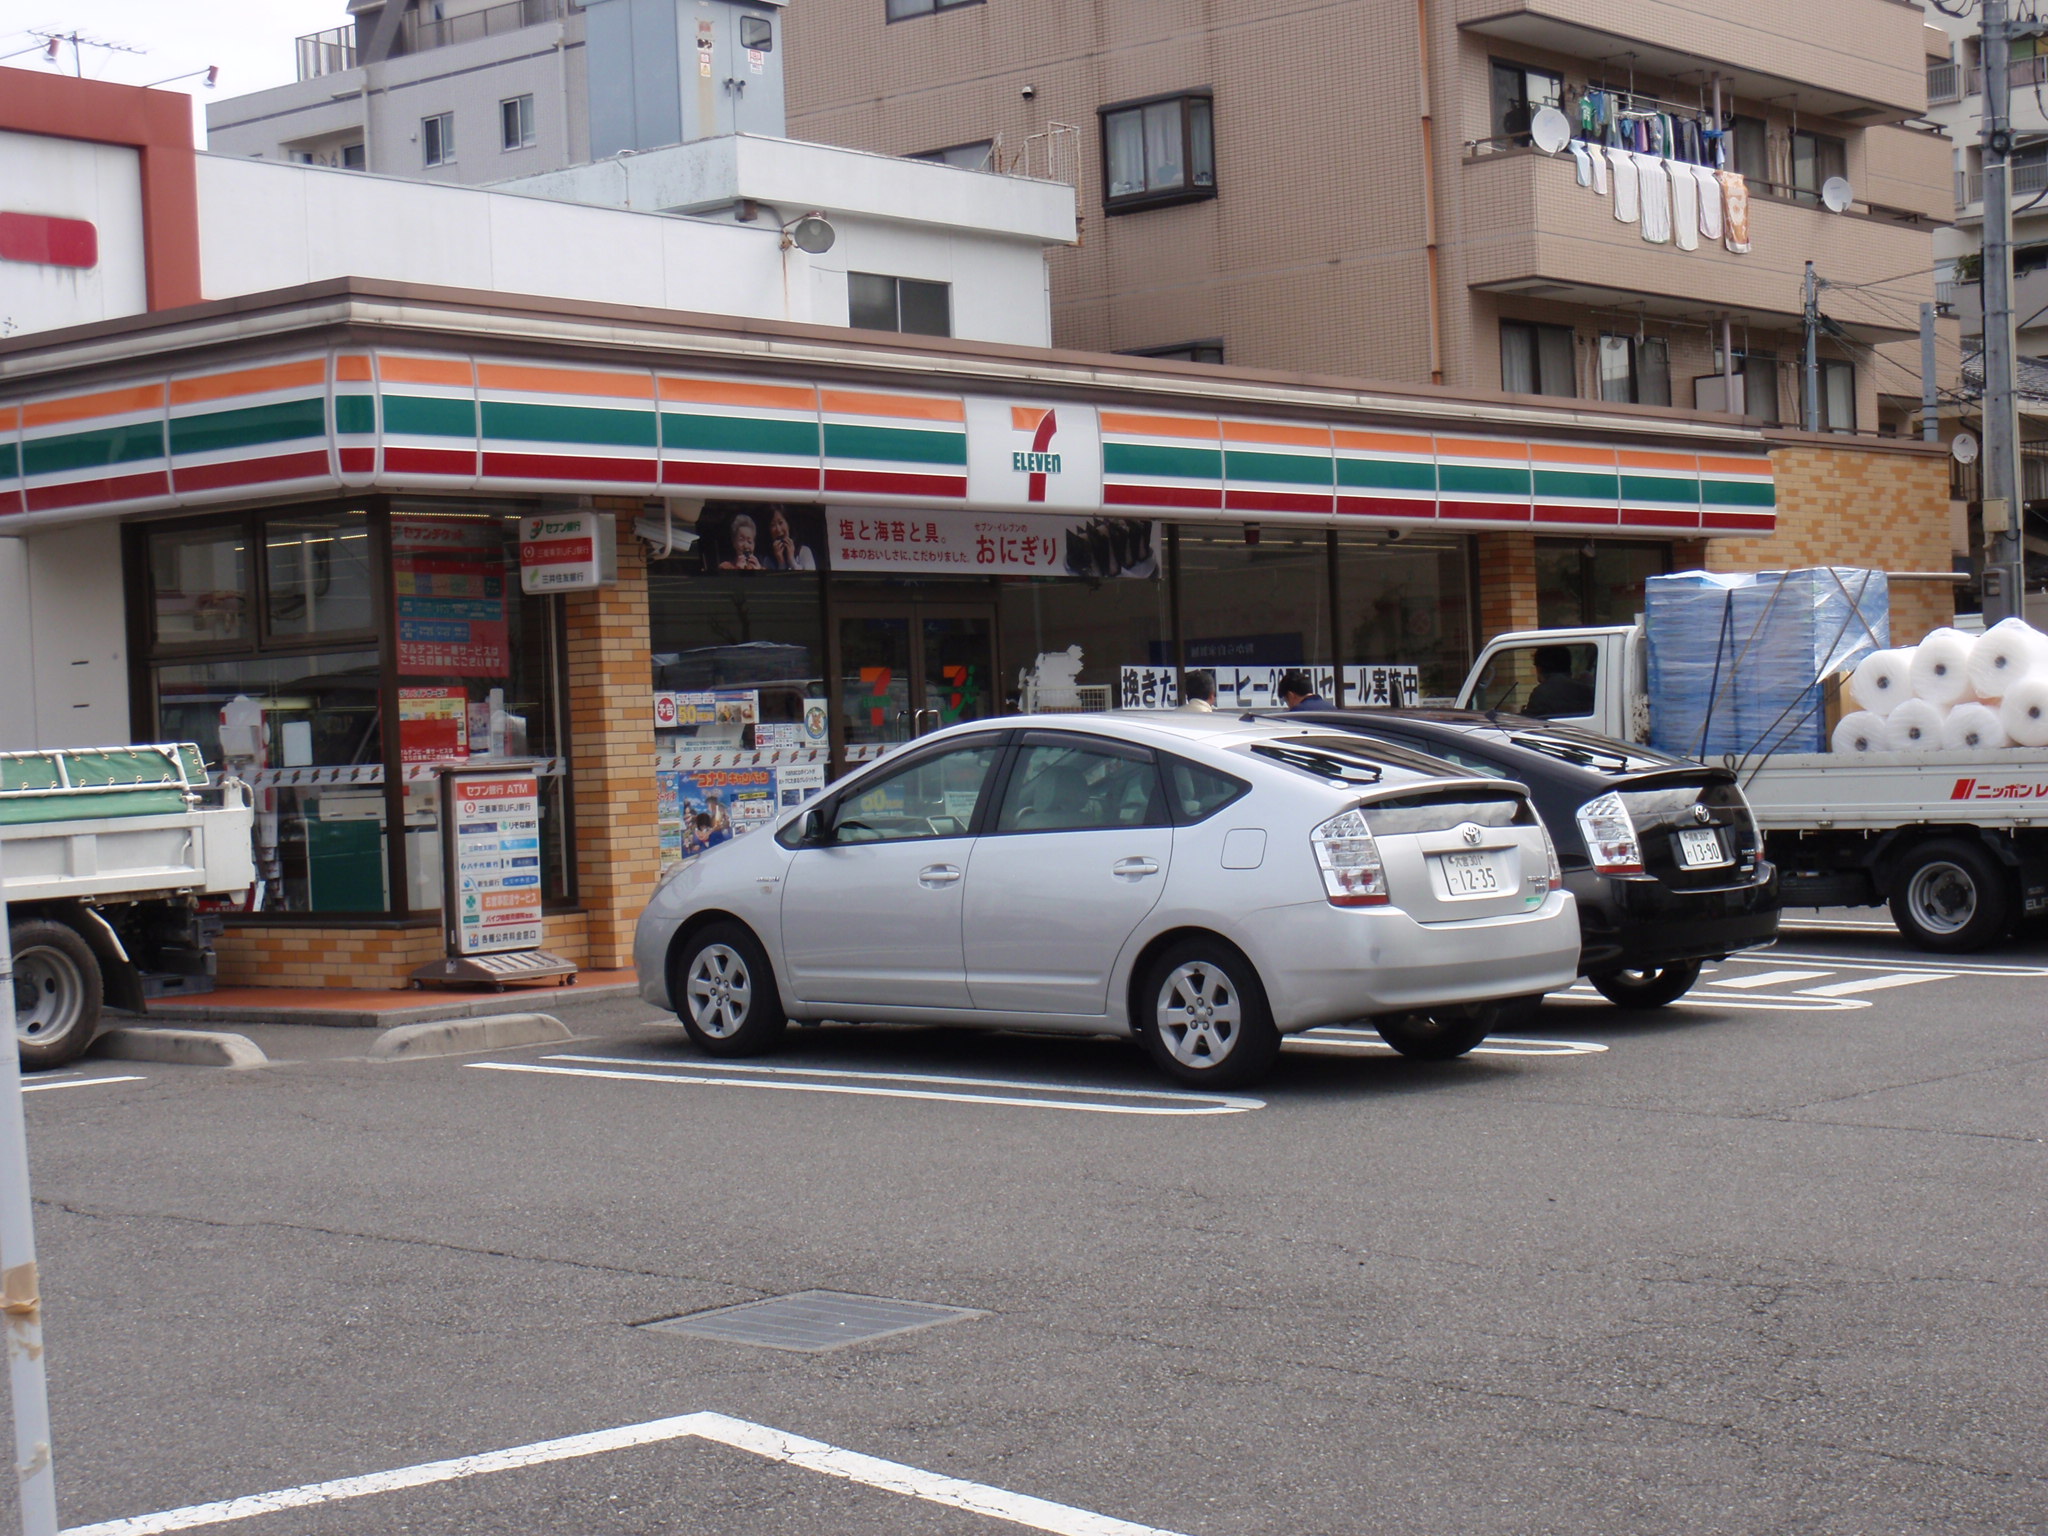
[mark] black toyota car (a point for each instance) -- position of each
(1662, 853)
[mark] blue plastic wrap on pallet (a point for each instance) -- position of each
(1795, 628)
(1689, 617)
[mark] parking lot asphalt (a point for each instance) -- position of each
(1767, 1261)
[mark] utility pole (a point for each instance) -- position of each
(2004, 505)
(1930, 410)
(1810, 417)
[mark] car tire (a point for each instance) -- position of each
(723, 990)
(1650, 988)
(1203, 1016)
(1444, 1034)
(57, 992)
(1952, 896)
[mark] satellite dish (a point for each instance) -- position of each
(1550, 130)
(813, 234)
(1963, 448)
(1836, 194)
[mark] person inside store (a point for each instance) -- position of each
(1198, 693)
(1557, 692)
(1298, 692)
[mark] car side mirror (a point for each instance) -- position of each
(816, 829)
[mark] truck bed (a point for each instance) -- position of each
(1817, 791)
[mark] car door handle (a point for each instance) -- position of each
(933, 876)
(1135, 868)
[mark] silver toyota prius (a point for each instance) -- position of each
(1204, 883)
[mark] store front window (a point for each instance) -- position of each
(1408, 602)
(278, 666)
(1581, 582)
(1254, 597)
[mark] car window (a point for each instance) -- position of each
(1549, 681)
(1197, 792)
(1072, 787)
(933, 797)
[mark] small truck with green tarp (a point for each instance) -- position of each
(105, 853)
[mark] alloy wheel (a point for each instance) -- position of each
(720, 991)
(1199, 1014)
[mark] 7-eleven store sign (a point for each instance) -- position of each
(1033, 455)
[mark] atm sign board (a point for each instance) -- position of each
(495, 880)
(567, 552)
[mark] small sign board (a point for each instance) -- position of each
(491, 880)
(568, 552)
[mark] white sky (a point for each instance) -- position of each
(251, 40)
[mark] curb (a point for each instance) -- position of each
(186, 1047)
(451, 1006)
(454, 1037)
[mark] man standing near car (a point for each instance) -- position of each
(1298, 692)
(1198, 693)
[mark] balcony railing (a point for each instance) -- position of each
(2021, 72)
(2026, 178)
(1944, 82)
(327, 53)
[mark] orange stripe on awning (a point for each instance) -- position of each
(10, 418)
(767, 397)
(1716, 464)
(1405, 443)
(847, 402)
(1574, 453)
(1133, 425)
(249, 381)
(1276, 432)
(1483, 448)
(109, 402)
(1636, 458)
(425, 370)
(352, 369)
(1025, 418)
(564, 381)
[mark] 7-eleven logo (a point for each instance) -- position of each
(1039, 460)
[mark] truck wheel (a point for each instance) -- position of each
(57, 990)
(1647, 988)
(1952, 896)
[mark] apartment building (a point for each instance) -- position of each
(1352, 188)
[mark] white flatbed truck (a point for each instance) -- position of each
(1956, 844)
(104, 854)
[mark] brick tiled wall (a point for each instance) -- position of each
(297, 955)
(1507, 583)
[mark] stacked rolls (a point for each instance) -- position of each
(1952, 692)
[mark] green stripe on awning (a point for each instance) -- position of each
(1276, 468)
(894, 445)
(740, 434)
(249, 426)
(355, 413)
(1672, 492)
(1147, 461)
(1482, 480)
(93, 450)
(1577, 485)
(10, 461)
(1387, 474)
(429, 416)
(603, 426)
(1738, 493)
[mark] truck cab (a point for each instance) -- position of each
(1593, 678)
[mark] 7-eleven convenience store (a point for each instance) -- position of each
(301, 508)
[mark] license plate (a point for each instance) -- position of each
(1472, 874)
(1700, 848)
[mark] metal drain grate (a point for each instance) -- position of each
(813, 1321)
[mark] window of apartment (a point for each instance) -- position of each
(1837, 395)
(1518, 92)
(1635, 370)
(1749, 147)
(1158, 152)
(966, 157)
(899, 10)
(352, 157)
(1536, 359)
(1756, 376)
(437, 139)
(515, 123)
(1815, 158)
(878, 303)
(1209, 351)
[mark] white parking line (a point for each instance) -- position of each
(1783, 1002)
(811, 1455)
(1766, 979)
(857, 1085)
(1877, 983)
(1946, 966)
(83, 1082)
(1494, 1045)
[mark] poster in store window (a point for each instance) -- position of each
(448, 579)
(433, 725)
(1385, 687)
(991, 544)
(697, 810)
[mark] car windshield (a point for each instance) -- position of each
(1588, 750)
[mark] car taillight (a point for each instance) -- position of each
(1550, 853)
(1610, 836)
(1350, 861)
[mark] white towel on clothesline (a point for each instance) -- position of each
(1582, 162)
(1685, 206)
(1710, 202)
(1655, 194)
(1598, 156)
(1626, 190)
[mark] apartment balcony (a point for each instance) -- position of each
(1525, 226)
(2027, 178)
(1858, 61)
(335, 50)
(2029, 309)
(1944, 82)
(2024, 74)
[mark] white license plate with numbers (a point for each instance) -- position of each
(1484, 873)
(1700, 848)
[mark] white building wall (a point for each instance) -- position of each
(65, 635)
(67, 179)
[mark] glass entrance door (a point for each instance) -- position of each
(908, 669)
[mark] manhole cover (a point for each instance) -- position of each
(813, 1321)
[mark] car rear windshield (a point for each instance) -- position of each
(1584, 749)
(1326, 760)
(1441, 810)
(1349, 751)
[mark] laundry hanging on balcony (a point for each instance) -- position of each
(1672, 202)
(1655, 197)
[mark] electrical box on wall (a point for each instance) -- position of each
(568, 552)
(671, 71)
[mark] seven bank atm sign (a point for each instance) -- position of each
(1031, 455)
